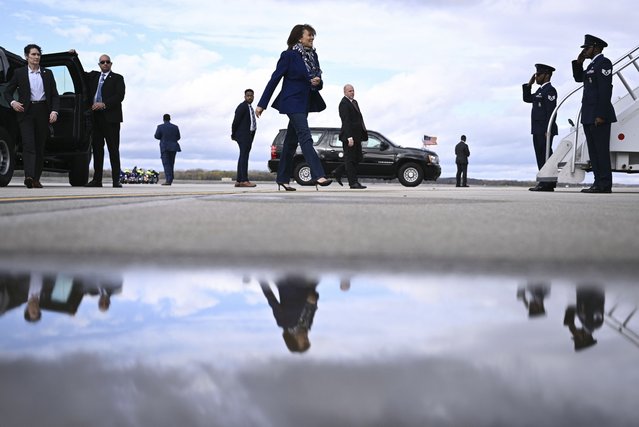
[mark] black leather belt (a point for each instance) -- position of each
(38, 102)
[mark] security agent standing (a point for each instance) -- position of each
(36, 108)
(462, 153)
(543, 101)
(108, 89)
(597, 112)
(243, 131)
(352, 133)
(169, 135)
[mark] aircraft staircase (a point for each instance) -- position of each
(621, 318)
(570, 161)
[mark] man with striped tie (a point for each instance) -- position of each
(108, 89)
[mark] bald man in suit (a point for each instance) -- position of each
(352, 133)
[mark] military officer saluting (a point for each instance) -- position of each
(597, 112)
(544, 101)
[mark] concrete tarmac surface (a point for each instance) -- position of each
(388, 227)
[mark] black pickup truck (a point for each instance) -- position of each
(382, 158)
(68, 149)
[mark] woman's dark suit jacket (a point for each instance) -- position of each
(297, 95)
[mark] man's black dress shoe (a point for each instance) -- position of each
(93, 184)
(117, 185)
(338, 179)
(358, 186)
(28, 182)
(541, 188)
(168, 183)
(36, 184)
(594, 189)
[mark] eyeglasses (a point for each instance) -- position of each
(104, 62)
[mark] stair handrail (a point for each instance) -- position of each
(553, 116)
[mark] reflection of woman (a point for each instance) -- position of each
(299, 66)
(295, 310)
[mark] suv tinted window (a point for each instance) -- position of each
(333, 140)
(316, 136)
(63, 80)
(373, 142)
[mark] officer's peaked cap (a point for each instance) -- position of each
(590, 40)
(544, 69)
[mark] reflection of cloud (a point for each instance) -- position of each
(84, 389)
(164, 290)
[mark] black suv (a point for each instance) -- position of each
(382, 158)
(68, 149)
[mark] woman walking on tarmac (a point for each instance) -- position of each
(299, 66)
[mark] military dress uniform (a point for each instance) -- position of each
(543, 101)
(596, 102)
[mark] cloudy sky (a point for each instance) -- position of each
(419, 67)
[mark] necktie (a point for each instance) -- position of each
(98, 93)
(253, 123)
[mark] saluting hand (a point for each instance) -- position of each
(582, 55)
(532, 79)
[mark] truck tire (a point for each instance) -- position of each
(302, 174)
(410, 174)
(7, 158)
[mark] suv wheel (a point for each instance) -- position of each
(410, 175)
(302, 174)
(7, 158)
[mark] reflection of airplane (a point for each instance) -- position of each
(619, 317)
(535, 303)
(590, 312)
(60, 293)
(295, 310)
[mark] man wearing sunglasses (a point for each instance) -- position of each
(108, 89)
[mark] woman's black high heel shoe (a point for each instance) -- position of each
(324, 183)
(286, 187)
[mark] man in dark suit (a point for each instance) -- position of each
(597, 112)
(352, 133)
(243, 132)
(169, 135)
(108, 89)
(462, 153)
(543, 101)
(36, 107)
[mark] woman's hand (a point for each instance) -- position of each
(258, 111)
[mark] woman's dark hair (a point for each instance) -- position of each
(27, 48)
(297, 32)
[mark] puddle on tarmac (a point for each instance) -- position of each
(145, 347)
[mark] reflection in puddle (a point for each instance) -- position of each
(166, 348)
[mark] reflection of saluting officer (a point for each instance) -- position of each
(597, 112)
(535, 303)
(543, 101)
(590, 311)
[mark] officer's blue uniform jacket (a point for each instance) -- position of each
(544, 101)
(597, 80)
